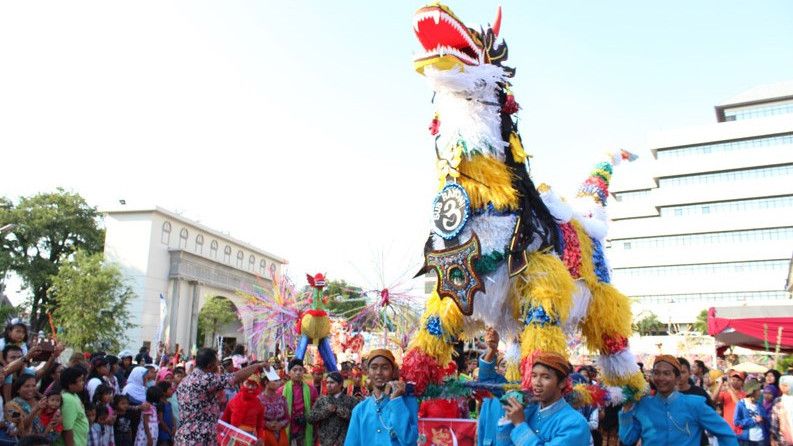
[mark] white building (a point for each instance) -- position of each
(161, 252)
(712, 223)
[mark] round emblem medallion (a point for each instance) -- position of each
(450, 211)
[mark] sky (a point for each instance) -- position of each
(301, 127)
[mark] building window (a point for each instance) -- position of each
(165, 237)
(240, 257)
(728, 146)
(183, 238)
(251, 263)
(631, 196)
(751, 236)
(213, 249)
(227, 254)
(730, 206)
(716, 269)
(726, 177)
(199, 244)
(262, 267)
(705, 210)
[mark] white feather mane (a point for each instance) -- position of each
(467, 105)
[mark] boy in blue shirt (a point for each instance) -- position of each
(670, 417)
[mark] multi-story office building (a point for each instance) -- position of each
(712, 224)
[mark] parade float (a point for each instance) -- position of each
(508, 254)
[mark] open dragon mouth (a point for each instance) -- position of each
(447, 42)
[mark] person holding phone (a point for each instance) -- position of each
(546, 419)
(389, 415)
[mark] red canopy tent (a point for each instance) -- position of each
(753, 327)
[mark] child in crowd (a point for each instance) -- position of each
(122, 428)
(103, 396)
(16, 333)
(148, 429)
(167, 429)
(101, 433)
(90, 413)
(178, 376)
(50, 415)
(751, 416)
(12, 420)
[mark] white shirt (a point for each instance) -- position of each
(756, 432)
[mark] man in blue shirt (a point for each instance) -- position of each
(491, 410)
(548, 420)
(670, 417)
(388, 416)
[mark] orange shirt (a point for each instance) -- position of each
(728, 405)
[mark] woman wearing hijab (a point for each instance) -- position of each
(772, 378)
(135, 390)
(136, 386)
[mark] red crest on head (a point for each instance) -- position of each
(497, 23)
(316, 281)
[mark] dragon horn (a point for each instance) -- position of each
(497, 23)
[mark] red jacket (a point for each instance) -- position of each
(245, 411)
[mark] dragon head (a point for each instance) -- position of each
(448, 43)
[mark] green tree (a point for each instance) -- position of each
(217, 312)
(344, 299)
(7, 312)
(701, 324)
(649, 325)
(92, 303)
(49, 229)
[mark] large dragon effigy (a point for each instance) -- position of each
(508, 254)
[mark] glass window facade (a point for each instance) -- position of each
(631, 196)
(715, 238)
(701, 269)
(722, 147)
(726, 177)
(713, 297)
(726, 207)
(758, 112)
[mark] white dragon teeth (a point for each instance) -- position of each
(436, 16)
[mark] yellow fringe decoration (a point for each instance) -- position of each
(584, 394)
(634, 381)
(488, 180)
(545, 282)
(433, 346)
(451, 322)
(548, 338)
(516, 146)
(609, 311)
(513, 373)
